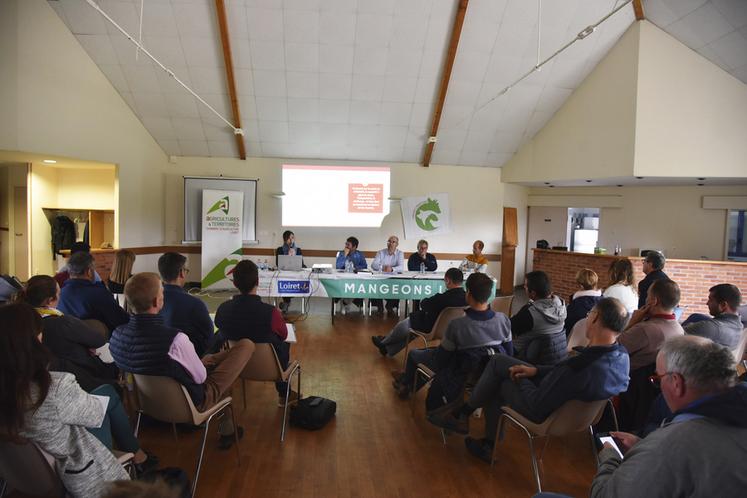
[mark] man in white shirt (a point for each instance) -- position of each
(389, 260)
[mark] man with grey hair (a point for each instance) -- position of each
(84, 299)
(698, 450)
(653, 264)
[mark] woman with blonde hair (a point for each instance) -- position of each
(121, 270)
(621, 284)
(584, 299)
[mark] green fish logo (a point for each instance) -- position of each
(221, 270)
(220, 205)
(426, 215)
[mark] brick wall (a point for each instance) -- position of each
(694, 277)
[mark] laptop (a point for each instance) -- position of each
(290, 263)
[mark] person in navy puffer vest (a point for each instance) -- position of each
(582, 301)
(146, 346)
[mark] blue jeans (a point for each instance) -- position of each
(116, 425)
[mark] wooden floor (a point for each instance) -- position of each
(376, 446)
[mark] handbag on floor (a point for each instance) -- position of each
(312, 413)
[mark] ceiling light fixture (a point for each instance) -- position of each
(49, 161)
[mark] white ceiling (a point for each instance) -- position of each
(357, 79)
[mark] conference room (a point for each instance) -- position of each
(562, 135)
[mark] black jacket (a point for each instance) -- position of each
(423, 319)
(644, 284)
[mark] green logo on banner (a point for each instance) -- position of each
(221, 270)
(426, 214)
(220, 205)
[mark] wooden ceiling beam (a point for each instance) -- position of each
(220, 9)
(456, 32)
(638, 9)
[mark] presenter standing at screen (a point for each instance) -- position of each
(354, 258)
(389, 260)
(288, 248)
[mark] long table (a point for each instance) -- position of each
(361, 285)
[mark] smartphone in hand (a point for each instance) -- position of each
(605, 437)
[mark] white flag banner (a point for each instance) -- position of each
(426, 215)
(222, 213)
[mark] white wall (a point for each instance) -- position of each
(691, 114)
(667, 218)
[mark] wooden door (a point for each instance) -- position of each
(20, 234)
(508, 253)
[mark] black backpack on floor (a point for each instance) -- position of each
(312, 413)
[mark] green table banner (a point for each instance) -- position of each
(385, 288)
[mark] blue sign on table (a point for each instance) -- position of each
(293, 286)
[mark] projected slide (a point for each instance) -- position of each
(335, 196)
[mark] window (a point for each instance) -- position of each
(735, 228)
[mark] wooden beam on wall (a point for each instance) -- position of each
(638, 9)
(456, 32)
(220, 9)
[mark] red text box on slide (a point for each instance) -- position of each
(365, 198)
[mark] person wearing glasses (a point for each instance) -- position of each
(423, 319)
(389, 260)
(598, 372)
(698, 447)
(180, 309)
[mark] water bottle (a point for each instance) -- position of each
(261, 265)
(422, 268)
(349, 267)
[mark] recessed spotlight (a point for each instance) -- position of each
(701, 179)
(552, 186)
(547, 183)
(588, 181)
(701, 184)
(49, 161)
(639, 178)
(619, 185)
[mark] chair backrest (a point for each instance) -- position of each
(578, 335)
(575, 416)
(502, 304)
(25, 468)
(263, 365)
(165, 399)
(741, 347)
(443, 320)
(98, 326)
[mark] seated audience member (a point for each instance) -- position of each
(583, 300)
(247, 317)
(538, 327)
(84, 299)
(621, 284)
(652, 324)
(121, 270)
(653, 265)
(423, 319)
(181, 310)
(466, 343)
(289, 248)
(51, 410)
(389, 260)
(70, 340)
(598, 372)
(356, 260)
(698, 451)
(725, 327)
(421, 258)
(146, 346)
(62, 275)
(475, 261)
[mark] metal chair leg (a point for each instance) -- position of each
(287, 396)
(614, 414)
(530, 439)
(137, 423)
(594, 453)
(202, 452)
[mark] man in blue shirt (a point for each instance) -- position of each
(352, 254)
(180, 310)
(84, 299)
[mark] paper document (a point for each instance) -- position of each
(104, 354)
(291, 333)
